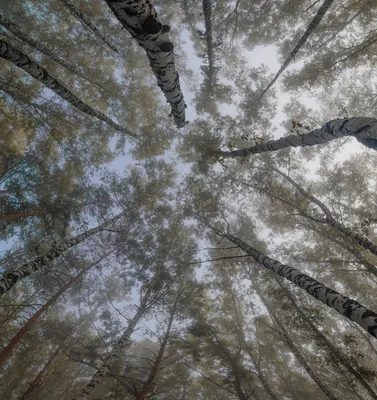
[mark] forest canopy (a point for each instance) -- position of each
(188, 200)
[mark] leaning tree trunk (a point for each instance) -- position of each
(35, 384)
(12, 217)
(351, 309)
(334, 351)
(155, 369)
(296, 351)
(207, 11)
(312, 26)
(140, 20)
(84, 20)
(330, 220)
(10, 278)
(21, 60)
(16, 31)
(120, 347)
(364, 129)
(7, 351)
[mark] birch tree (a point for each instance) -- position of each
(141, 21)
(21, 60)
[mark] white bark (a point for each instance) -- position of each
(350, 308)
(364, 129)
(139, 17)
(22, 61)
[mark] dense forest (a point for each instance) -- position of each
(188, 208)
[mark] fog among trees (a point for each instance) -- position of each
(188, 200)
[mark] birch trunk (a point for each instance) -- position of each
(84, 20)
(351, 309)
(312, 26)
(120, 347)
(16, 31)
(358, 238)
(297, 353)
(7, 351)
(207, 11)
(143, 394)
(10, 278)
(21, 60)
(364, 129)
(335, 352)
(140, 20)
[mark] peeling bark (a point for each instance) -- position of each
(16, 31)
(364, 129)
(21, 60)
(350, 308)
(86, 22)
(311, 28)
(10, 278)
(139, 17)
(335, 352)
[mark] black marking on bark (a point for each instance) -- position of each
(151, 26)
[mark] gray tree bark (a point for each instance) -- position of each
(122, 344)
(335, 352)
(140, 20)
(10, 278)
(312, 26)
(364, 129)
(207, 11)
(350, 308)
(16, 31)
(296, 351)
(84, 20)
(21, 60)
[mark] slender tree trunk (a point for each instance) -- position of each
(85, 21)
(12, 217)
(358, 238)
(351, 309)
(21, 60)
(296, 351)
(4, 355)
(120, 347)
(35, 385)
(142, 395)
(311, 28)
(16, 31)
(335, 352)
(364, 129)
(10, 278)
(140, 20)
(207, 11)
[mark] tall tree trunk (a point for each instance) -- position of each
(334, 351)
(16, 31)
(312, 26)
(121, 345)
(12, 217)
(10, 278)
(358, 238)
(33, 389)
(296, 351)
(84, 20)
(21, 60)
(140, 20)
(4, 355)
(364, 129)
(142, 395)
(207, 11)
(351, 309)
